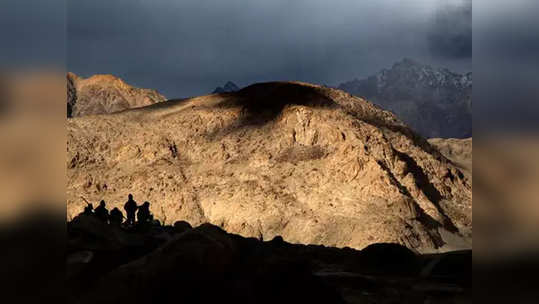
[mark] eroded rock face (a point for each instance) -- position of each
(459, 151)
(105, 94)
(312, 164)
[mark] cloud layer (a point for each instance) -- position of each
(186, 48)
(451, 33)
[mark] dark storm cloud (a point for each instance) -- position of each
(506, 65)
(32, 32)
(189, 47)
(451, 32)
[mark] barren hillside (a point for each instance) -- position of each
(459, 151)
(105, 94)
(313, 164)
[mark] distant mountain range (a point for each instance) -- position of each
(433, 101)
(229, 87)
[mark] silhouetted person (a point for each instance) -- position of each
(88, 210)
(116, 216)
(130, 208)
(101, 212)
(143, 214)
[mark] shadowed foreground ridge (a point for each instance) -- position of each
(312, 164)
(150, 263)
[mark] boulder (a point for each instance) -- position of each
(388, 258)
(181, 226)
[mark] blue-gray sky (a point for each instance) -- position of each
(506, 64)
(185, 48)
(32, 32)
(188, 47)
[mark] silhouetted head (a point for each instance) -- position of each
(130, 196)
(102, 203)
(146, 204)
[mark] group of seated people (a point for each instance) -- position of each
(116, 216)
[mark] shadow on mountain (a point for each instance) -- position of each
(160, 105)
(205, 264)
(273, 97)
(264, 102)
(423, 183)
(426, 219)
(417, 139)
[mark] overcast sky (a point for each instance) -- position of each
(188, 47)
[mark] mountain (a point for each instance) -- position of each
(458, 150)
(229, 87)
(311, 164)
(433, 101)
(105, 94)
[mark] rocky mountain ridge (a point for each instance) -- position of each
(459, 151)
(433, 101)
(101, 94)
(312, 164)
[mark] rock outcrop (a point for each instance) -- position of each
(311, 164)
(433, 101)
(459, 151)
(101, 94)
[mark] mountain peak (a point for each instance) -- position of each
(105, 93)
(436, 102)
(72, 76)
(229, 87)
(408, 62)
(230, 83)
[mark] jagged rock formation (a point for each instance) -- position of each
(313, 164)
(229, 87)
(433, 101)
(105, 94)
(459, 151)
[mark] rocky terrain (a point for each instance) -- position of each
(105, 94)
(433, 101)
(312, 164)
(205, 264)
(229, 87)
(459, 151)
